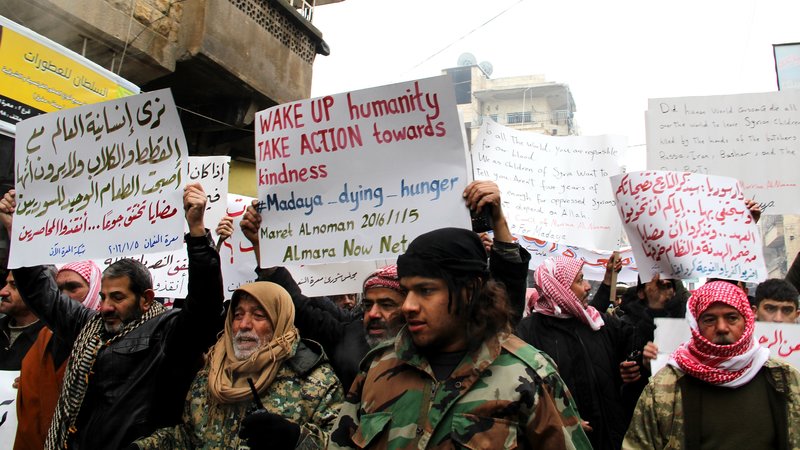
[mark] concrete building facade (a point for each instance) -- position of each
(526, 103)
(781, 236)
(223, 59)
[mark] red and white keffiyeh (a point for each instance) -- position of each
(731, 365)
(553, 279)
(90, 272)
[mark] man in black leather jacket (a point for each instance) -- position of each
(145, 356)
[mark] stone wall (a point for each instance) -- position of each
(161, 16)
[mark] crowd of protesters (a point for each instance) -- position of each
(437, 351)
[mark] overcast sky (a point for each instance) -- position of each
(614, 55)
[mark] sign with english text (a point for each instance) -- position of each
(754, 138)
(359, 175)
(781, 339)
(99, 181)
(554, 188)
(687, 225)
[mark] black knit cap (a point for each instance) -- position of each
(444, 251)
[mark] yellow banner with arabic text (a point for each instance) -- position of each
(39, 76)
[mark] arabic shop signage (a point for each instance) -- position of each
(39, 76)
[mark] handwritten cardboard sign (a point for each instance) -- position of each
(553, 188)
(782, 339)
(754, 138)
(8, 409)
(212, 173)
(333, 279)
(359, 175)
(594, 267)
(236, 253)
(685, 225)
(169, 269)
(99, 181)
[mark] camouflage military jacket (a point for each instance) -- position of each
(305, 392)
(658, 419)
(505, 394)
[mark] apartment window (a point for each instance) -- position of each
(518, 117)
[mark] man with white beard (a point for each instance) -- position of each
(298, 389)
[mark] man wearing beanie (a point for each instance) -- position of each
(454, 375)
(720, 389)
(347, 336)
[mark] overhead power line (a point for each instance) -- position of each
(467, 34)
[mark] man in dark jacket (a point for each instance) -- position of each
(588, 348)
(344, 334)
(18, 328)
(132, 361)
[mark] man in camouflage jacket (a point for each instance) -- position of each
(720, 389)
(454, 376)
(298, 390)
(658, 422)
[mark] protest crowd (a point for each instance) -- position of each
(463, 342)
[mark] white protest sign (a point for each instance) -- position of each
(359, 175)
(594, 267)
(212, 173)
(236, 253)
(754, 138)
(333, 279)
(168, 269)
(782, 339)
(686, 225)
(553, 188)
(8, 409)
(99, 181)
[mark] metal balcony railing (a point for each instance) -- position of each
(305, 8)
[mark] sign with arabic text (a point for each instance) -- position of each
(169, 269)
(8, 409)
(99, 181)
(40, 76)
(687, 225)
(333, 279)
(212, 173)
(236, 253)
(553, 188)
(782, 339)
(359, 175)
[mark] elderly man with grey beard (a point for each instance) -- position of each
(721, 388)
(259, 354)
